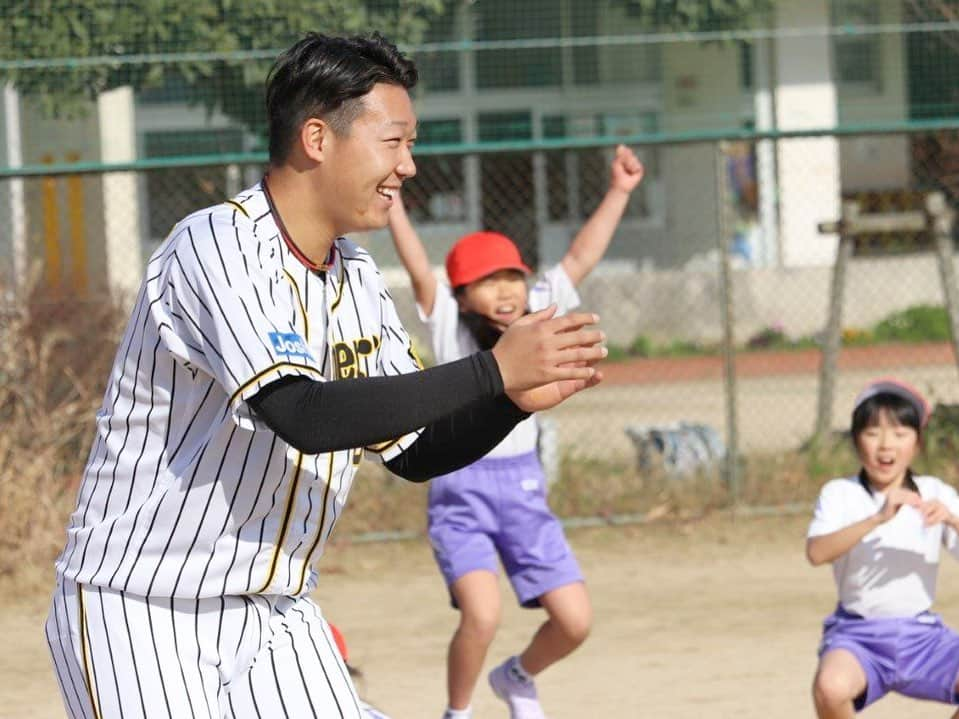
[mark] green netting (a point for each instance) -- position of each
(562, 73)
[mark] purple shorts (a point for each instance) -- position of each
(497, 506)
(914, 656)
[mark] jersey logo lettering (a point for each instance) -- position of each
(348, 356)
(290, 344)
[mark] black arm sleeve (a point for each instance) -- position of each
(457, 440)
(319, 417)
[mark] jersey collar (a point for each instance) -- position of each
(325, 266)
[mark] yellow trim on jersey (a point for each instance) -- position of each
(383, 446)
(272, 368)
(319, 531)
(412, 353)
(299, 300)
(290, 503)
(237, 205)
(85, 655)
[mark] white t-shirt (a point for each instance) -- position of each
(452, 340)
(891, 572)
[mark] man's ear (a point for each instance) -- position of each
(315, 138)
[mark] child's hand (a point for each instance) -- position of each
(626, 171)
(897, 498)
(935, 512)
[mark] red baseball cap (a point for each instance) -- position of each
(482, 253)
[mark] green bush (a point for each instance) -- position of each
(922, 323)
(642, 346)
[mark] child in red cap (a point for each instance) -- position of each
(883, 530)
(496, 509)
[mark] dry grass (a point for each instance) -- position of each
(54, 359)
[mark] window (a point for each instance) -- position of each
(518, 67)
(577, 180)
(584, 22)
(746, 81)
(437, 193)
(856, 56)
(439, 70)
(500, 126)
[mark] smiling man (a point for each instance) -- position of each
(224, 452)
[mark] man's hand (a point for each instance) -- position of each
(626, 171)
(897, 498)
(540, 349)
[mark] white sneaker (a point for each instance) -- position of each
(518, 693)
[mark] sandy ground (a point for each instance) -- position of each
(716, 618)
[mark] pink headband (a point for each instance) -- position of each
(891, 385)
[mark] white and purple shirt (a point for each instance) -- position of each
(891, 572)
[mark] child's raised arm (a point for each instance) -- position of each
(591, 241)
(413, 256)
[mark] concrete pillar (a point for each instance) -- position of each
(121, 205)
(13, 235)
(767, 253)
(808, 168)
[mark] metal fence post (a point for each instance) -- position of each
(727, 311)
(941, 218)
(833, 335)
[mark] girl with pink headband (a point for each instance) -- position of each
(882, 530)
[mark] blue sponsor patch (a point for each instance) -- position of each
(290, 344)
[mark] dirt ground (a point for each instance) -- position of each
(713, 618)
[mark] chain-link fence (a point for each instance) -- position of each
(718, 288)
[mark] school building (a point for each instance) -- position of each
(582, 70)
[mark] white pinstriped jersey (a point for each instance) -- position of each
(185, 492)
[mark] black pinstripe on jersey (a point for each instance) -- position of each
(120, 655)
(185, 493)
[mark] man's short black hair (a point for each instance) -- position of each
(325, 77)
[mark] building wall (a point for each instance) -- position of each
(805, 99)
(683, 87)
(64, 214)
(668, 305)
(877, 162)
(701, 89)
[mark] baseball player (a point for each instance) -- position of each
(262, 358)
(496, 508)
